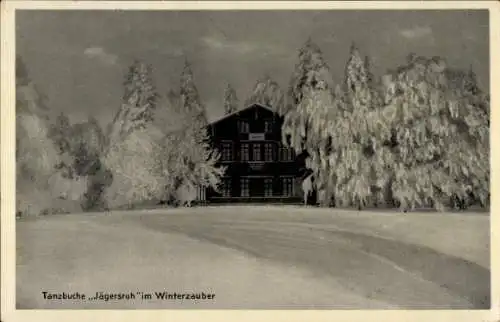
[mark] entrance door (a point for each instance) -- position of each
(256, 187)
(261, 187)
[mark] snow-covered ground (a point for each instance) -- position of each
(257, 257)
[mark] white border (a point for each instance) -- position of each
(8, 166)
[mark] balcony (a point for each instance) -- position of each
(256, 152)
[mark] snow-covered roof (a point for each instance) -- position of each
(241, 110)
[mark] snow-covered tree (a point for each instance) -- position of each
(267, 92)
(311, 73)
(339, 141)
(189, 97)
(38, 156)
(131, 160)
(187, 156)
(357, 174)
(135, 166)
(470, 114)
(438, 139)
(325, 112)
(81, 147)
(139, 102)
(230, 100)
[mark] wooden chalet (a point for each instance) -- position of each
(258, 167)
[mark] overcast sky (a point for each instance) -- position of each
(78, 58)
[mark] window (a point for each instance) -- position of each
(227, 153)
(286, 154)
(244, 127)
(256, 152)
(287, 187)
(226, 187)
(245, 191)
(268, 152)
(245, 154)
(268, 126)
(268, 187)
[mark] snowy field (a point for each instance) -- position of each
(257, 257)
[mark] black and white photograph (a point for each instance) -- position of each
(287, 159)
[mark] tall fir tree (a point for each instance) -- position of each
(311, 73)
(327, 110)
(342, 155)
(189, 96)
(230, 100)
(131, 159)
(356, 183)
(340, 142)
(139, 102)
(187, 159)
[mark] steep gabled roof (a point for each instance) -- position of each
(239, 111)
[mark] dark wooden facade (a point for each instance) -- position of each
(258, 166)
